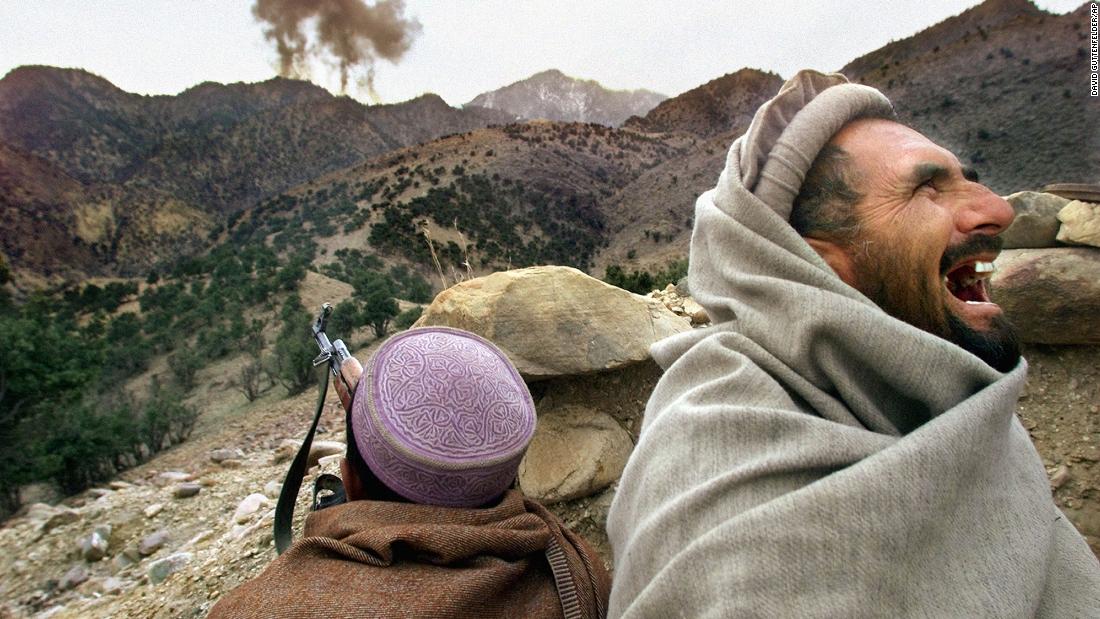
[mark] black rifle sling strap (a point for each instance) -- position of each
(284, 509)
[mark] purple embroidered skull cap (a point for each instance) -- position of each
(442, 417)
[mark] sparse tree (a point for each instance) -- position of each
(379, 306)
(250, 378)
(292, 362)
(185, 364)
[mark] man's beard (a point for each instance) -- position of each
(999, 347)
(894, 280)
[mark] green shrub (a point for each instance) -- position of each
(185, 364)
(406, 318)
(379, 306)
(644, 282)
(292, 363)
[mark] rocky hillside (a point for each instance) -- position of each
(187, 160)
(1004, 85)
(159, 177)
(552, 95)
(721, 106)
(40, 205)
(173, 535)
(517, 195)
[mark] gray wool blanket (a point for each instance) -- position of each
(809, 455)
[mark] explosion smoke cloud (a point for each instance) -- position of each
(352, 32)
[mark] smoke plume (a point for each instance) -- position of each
(350, 32)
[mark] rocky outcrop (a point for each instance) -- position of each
(583, 347)
(555, 321)
(577, 451)
(1036, 223)
(1051, 295)
(1080, 223)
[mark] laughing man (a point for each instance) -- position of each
(843, 441)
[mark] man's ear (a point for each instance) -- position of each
(353, 486)
(837, 257)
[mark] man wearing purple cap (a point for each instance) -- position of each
(438, 424)
(843, 440)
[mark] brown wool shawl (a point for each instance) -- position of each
(381, 559)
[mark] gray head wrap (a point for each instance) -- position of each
(789, 131)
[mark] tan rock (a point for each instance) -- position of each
(1080, 223)
(72, 578)
(61, 516)
(40, 511)
(1059, 477)
(94, 547)
(698, 315)
(272, 489)
(174, 477)
(285, 451)
(158, 571)
(576, 452)
(186, 490)
(1036, 223)
(249, 506)
(320, 449)
(555, 321)
(152, 542)
(1051, 295)
(225, 453)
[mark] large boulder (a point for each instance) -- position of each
(576, 452)
(1051, 295)
(1036, 223)
(555, 321)
(1080, 223)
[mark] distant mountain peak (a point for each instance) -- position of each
(553, 95)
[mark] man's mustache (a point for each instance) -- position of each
(975, 244)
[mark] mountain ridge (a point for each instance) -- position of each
(553, 95)
(1000, 85)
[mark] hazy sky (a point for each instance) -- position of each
(466, 47)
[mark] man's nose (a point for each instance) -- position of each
(983, 211)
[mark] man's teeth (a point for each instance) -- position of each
(981, 270)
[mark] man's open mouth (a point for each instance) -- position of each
(967, 282)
